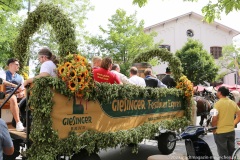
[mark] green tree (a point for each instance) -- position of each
(9, 23)
(124, 38)
(212, 10)
(11, 5)
(8, 32)
(198, 65)
(229, 60)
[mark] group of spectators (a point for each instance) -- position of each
(104, 71)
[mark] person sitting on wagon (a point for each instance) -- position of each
(96, 60)
(48, 68)
(151, 81)
(168, 80)
(11, 81)
(134, 78)
(103, 74)
(123, 78)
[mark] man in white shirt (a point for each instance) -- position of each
(122, 77)
(48, 68)
(134, 78)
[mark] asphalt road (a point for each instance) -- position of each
(149, 148)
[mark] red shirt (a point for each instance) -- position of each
(102, 75)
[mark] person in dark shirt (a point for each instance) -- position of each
(168, 80)
(151, 81)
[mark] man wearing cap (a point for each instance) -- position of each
(12, 79)
(47, 68)
(224, 135)
(168, 80)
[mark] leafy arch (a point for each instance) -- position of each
(164, 55)
(61, 24)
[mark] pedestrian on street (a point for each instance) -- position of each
(224, 135)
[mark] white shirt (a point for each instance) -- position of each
(138, 80)
(122, 77)
(48, 67)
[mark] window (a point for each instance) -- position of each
(165, 46)
(216, 52)
(190, 33)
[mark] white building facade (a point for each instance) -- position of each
(175, 32)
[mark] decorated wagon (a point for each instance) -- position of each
(73, 116)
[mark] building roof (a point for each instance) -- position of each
(197, 16)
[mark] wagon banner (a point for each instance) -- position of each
(121, 114)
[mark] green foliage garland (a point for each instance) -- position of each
(176, 69)
(164, 55)
(47, 145)
(61, 24)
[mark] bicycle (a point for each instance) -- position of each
(236, 153)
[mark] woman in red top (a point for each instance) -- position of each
(104, 75)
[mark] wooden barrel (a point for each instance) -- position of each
(141, 68)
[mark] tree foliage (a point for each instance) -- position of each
(8, 31)
(198, 65)
(230, 58)
(124, 38)
(9, 23)
(212, 10)
(46, 13)
(11, 5)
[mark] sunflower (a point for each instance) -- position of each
(78, 79)
(61, 69)
(67, 64)
(78, 58)
(82, 88)
(64, 78)
(72, 74)
(82, 75)
(84, 60)
(72, 86)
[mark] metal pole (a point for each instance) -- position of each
(236, 68)
(29, 5)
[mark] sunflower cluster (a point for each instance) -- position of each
(186, 85)
(76, 72)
